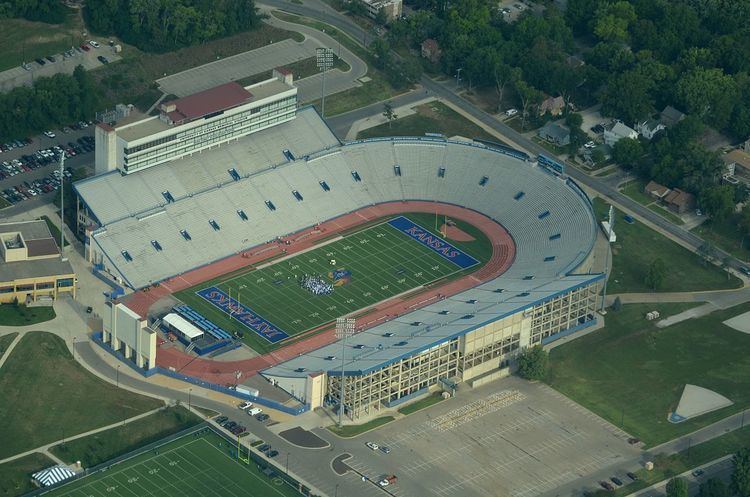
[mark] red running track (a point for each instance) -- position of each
(224, 372)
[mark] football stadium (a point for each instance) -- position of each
(451, 255)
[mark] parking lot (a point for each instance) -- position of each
(511, 438)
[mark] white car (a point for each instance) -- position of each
(94, 44)
(49, 134)
(511, 112)
(373, 445)
(590, 144)
(245, 405)
(254, 411)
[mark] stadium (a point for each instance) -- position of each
(452, 255)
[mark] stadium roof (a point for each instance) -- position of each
(372, 349)
(182, 325)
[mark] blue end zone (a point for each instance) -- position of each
(433, 242)
(243, 314)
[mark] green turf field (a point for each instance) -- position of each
(199, 465)
(383, 262)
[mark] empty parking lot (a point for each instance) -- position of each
(511, 438)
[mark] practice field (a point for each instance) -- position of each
(351, 273)
(199, 465)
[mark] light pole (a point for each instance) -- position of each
(344, 329)
(324, 57)
(458, 77)
(190, 391)
(336, 491)
(118, 376)
(287, 463)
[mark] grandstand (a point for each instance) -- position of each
(170, 219)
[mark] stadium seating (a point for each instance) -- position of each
(203, 189)
(201, 322)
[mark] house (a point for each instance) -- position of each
(553, 105)
(431, 50)
(616, 131)
(649, 128)
(675, 199)
(671, 116)
(679, 201)
(555, 133)
(737, 162)
(655, 190)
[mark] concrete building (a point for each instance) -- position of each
(555, 133)
(392, 8)
(195, 123)
(31, 268)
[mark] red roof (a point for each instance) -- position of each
(205, 102)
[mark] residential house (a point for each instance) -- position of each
(649, 128)
(737, 162)
(431, 50)
(553, 105)
(679, 201)
(676, 200)
(616, 131)
(671, 116)
(557, 134)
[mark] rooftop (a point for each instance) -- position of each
(37, 268)
(205, 102)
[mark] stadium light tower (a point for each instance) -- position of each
(324, 58)
(344, 329)
(62, 204)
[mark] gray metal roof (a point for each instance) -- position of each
(378, 350)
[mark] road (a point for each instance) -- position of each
(318, 10)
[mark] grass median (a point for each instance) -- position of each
(348, 431)
(428, 401)
(21, 315)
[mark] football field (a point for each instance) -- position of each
(197, 465)
(351, 273)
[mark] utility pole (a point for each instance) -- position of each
(344, 329)
(324, 58)
(458, 77)
(62, 203)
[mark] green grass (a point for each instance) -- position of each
(5, 342)
(54, 230)
(428, 401)
(634, 190)
(348, 431)
(638, 245)
(15, 476)
(725, 235)
(375, 90)
(208, 413)
(20, 315)
(383, 263)
(4, 203)
(632, 373)
(26, 41)
(301, 69)
(666, 467)
(46, 396)
(103, 446)
(196, 465)
(432, 117)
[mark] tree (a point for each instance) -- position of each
(718, 202)
(708, 93)
(744, 225)
(677, 487)
(713, 487)
(389, 114)
(532, 363)
(381, 17)
(657, 270)
(574, 120)
(629, 96)
(627, 151)
(528, 94)
(741, 475)
(706, 251)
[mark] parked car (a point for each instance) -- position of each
(94, 44)
(273, 453)
(385, 450)
(245, 405)
(262, 417)
(230, 425)
(606, 485)
(40, 62)
(51, 58)
(221, 419)
(254, 411)
(598, 128)
(632, 475)
(616, 481)
(590, 144)
(387, 480)
(698, 472)
(103, 59)
(264, 448)
(372, 445)
(745, 270)
(49, 134)
(511, 112)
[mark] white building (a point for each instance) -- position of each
(195, 123)
(649, 128)
(392, 8)
(617, 131)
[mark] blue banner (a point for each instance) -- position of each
(434, 242)
(243, 314)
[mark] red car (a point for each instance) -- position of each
(85, 48)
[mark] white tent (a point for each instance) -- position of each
(55, 474)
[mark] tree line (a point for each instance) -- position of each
(48, 104)
(164, 25)
(49, 11)
(633, 56)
